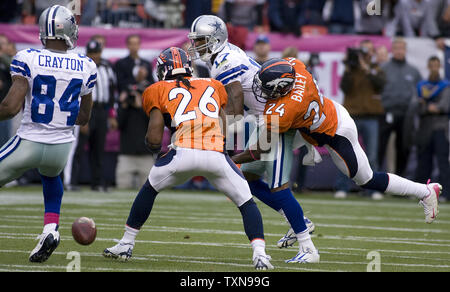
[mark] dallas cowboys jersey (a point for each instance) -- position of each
(56, 81)
(233, 64)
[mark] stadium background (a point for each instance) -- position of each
(201, 231)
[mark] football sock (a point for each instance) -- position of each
(252, 219)
(404, 187)
(259, 247)
(262, 191)
(394, 184)
(291, 209)
(142, 206)
(378, 182)
(53, 192)
(130, 234)
(304, 240)
(50, 227)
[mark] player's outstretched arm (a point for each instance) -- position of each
(235, 104)
(250, 155)
(85, 110)
(155, 131)
(223, 121)
(13, 102)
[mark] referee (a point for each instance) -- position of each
(94, 134)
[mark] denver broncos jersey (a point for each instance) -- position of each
(232, 64)
(304, 108)
(56, 83)
(194, 111)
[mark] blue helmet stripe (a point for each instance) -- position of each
(53, 20)
(194, 25)
(46, 23)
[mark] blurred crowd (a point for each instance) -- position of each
(383, 91)
(425, 18)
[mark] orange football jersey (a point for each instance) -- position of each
(194, 111)
(304, 108)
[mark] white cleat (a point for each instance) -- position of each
(262, 262)
(48, 242)
(290, 238)
(305, 255)
(430, 202)
(121, 251)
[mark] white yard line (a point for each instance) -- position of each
(241, 245)
(213, 261)
(23, 218)
(10, 198)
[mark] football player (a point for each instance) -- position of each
(295, 102)
(195, 106)
(53, 86)
(231, 66)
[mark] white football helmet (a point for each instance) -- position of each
(213, 31)
(58, 23)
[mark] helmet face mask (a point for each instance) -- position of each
(58, 23)
(201, 48)
(260, 94)
(208, 36)
(275, 79)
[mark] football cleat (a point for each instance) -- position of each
(48, 242)
(290, 238)
(121, 251)
(304, 256)
(430, 202)
(262, 262)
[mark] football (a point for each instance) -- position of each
(84, 230)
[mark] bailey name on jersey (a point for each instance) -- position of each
(299, 87)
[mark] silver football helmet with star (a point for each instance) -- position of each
(58, 23)
(208, 36)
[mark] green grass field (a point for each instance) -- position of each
(203, 231)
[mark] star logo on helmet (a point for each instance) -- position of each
(216, 25)
(71, 19)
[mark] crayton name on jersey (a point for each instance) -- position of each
(60, 62)
(299, 87)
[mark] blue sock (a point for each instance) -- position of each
(53, 192)
(378, 182)
(252, 219)
(142, 206)
(262, 191)
(291, 208)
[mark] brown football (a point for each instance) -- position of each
(84, 230)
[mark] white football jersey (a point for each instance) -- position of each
(57, 81)
(233, 64)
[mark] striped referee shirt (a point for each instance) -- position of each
(106, 81)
